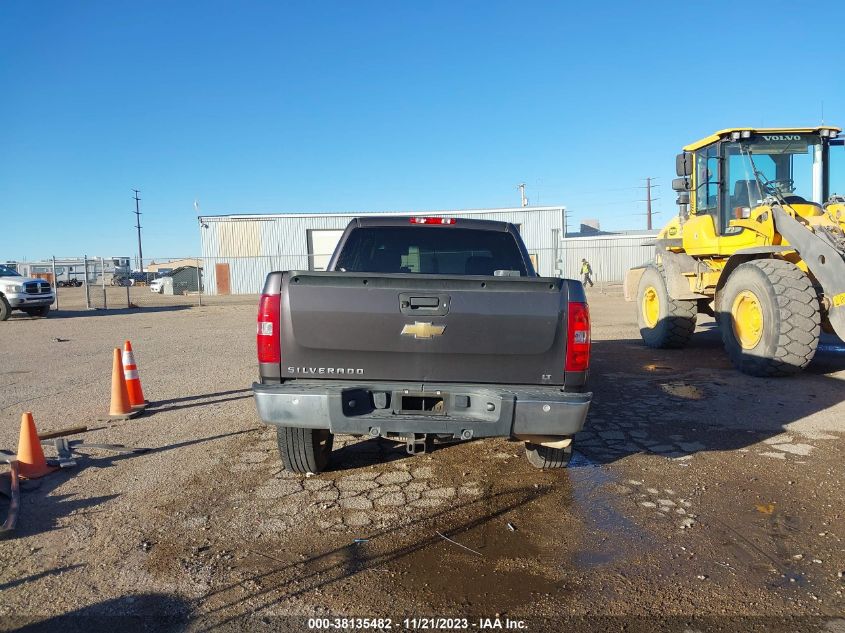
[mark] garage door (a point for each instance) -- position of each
(321, 244)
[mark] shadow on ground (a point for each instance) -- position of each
(662, 401)
(416, 553)
(139, 612)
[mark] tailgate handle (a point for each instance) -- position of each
(431, 305)
(424, 302)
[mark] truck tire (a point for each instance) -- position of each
(547, 457)
(41, 311)
(5, 308)
(769, 317)
(664, 322)
(304, 450)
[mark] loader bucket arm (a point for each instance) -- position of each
(824, 255)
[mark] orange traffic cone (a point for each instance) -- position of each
(30, 456)
(133, 380)
(120, 409)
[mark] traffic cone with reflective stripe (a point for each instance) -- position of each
(133, 380)
(30, 455)
(119, 409)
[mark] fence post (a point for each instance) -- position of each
(129, 283)
(55, 283)
(103, 273)
(199, 280)
(87, 291)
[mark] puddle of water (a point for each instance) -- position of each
(607, 528)
(508, 570)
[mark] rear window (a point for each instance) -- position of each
(430, 251)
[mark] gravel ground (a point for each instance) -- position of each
(695, 492)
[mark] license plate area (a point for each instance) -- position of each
(422, 403)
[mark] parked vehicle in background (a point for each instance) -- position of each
(69, 283)
(27, 294)
(423, 328)
(178, 281)
(157, 285)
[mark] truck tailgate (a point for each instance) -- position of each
(423, 327)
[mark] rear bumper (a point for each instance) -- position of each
(375, 409)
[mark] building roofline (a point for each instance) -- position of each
(612, 236)
(355, 214)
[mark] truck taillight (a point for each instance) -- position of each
(267, 341)
(578, 337)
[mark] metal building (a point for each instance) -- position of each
(610, 255)
(239, 250)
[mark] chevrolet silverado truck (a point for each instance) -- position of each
(33, 296)
(423, 328)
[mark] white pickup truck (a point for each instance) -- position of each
(33, 296)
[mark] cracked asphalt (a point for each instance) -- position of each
(695, 492)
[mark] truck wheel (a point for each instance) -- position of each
(5, 308)
(547, 457)
(304, 450)
(664, 322)
(41, 311)
(769, 317)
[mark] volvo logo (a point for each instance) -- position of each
(422, 330)
(782, 137)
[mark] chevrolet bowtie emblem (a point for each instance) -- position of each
(422, 330)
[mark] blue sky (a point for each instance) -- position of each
(316, 106)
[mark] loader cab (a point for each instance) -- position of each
(836, 167)
(726, 175)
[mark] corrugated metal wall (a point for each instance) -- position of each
(253, 246)
(610, 256)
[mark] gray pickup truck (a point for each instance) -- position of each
(423, 328)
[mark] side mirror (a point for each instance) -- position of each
(680, 184)
(683, 164)
(683, 198)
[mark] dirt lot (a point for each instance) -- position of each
(696, 492)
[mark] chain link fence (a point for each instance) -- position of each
(113, 283)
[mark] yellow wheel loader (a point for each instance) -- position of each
(758, 243)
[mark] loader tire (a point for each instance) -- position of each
(664, 322)
(769, 317)
(547, 457)
(304, 450)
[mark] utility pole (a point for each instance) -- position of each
(648, 200)
(138, 226)
(521, 187)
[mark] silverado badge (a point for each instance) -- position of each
(422, 330)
